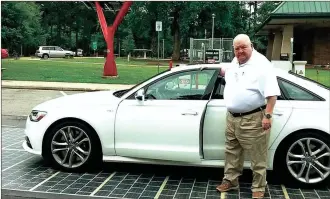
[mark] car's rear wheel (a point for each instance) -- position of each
(72, 146)
(45, 56)
(305, 159)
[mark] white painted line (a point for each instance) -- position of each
(286, 195)
(267, 187)
(316, 194)
(191, 189)
(16, 150)
(6, 126)
(63, 93)
(98, 188)
(11, 130)
(33, 188)
(223, 195)
(17, 163)
(162, 187)
(19, 142)
(302, 193)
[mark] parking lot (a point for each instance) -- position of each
(27, 176)
(24, 174)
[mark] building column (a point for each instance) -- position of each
(299, 67)
(270, 46)
(287, 35)
(277, 46)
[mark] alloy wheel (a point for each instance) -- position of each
(71, 147)
(308, 160)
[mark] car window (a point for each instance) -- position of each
(218, 93)
(293, 92)
(45, 48)
(189, 85)
(58, 48)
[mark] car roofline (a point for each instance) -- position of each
(194, 66)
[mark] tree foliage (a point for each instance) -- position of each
(71, 25)
(21, 25)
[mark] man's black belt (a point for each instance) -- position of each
(247, 113)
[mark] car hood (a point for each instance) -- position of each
(90, 99)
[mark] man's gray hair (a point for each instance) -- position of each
(242, 37)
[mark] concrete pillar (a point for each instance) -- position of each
(270, 46)
(276, 52)
(299, 67)
(287, 35)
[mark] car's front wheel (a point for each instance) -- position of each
(72, 146)
(305, 159)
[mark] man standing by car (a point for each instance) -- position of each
(250, 95)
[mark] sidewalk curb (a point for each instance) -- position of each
(63, 86)
(14, 117)
(54, 88)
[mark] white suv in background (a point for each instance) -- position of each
(53, 51)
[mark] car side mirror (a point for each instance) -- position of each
(140, 95)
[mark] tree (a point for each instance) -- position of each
(262, 11)
(128, 43)
(21, 25)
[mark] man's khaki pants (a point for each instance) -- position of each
(245, 134)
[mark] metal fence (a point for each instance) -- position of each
(198, 47)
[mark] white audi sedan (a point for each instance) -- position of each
(178, 117)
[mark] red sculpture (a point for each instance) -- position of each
(110, 68)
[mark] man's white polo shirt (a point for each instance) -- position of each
(248, 85)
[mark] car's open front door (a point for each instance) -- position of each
(166, 126)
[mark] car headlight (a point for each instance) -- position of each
(36, 116)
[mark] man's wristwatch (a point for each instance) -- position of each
(268, 116)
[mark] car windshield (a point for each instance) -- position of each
(310, 80)
(122, 92)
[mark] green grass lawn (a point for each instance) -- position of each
(90, 70)
(119, 61)
(323, 76)
(83, 71)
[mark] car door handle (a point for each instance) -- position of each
(278, 114)
(190, 113)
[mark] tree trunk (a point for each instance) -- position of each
(51, 35)
(153, 44)
(176, 38)
(77, 31)
(70, 37)
(76, 39)
(58, 39)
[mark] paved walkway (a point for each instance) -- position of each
(65, 86)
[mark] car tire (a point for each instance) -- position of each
(289, 173)
(90, 150)
(45, 56)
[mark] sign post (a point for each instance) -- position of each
(94, 46)
(158, 29)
